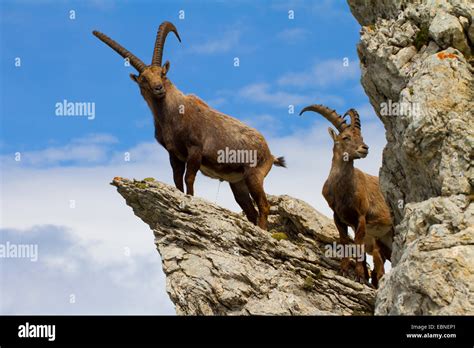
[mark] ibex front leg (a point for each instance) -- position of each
(359, 241)
(178, 171)
(193, 164)
(344, 239)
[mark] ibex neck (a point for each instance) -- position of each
(169, 106)
(341, 168)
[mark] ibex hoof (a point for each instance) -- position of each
(362, 280)
(343, 272)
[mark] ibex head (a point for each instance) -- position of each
(151, 78)
(349, 141)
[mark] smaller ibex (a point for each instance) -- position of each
(355, 196)
(199, 138)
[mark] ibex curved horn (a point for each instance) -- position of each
(136, 63)
(163, 31)
(355, 119)
(331, 115)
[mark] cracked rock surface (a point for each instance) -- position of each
(218, 263)
(419, 54)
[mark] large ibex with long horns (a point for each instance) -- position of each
(355, 196)
(198, 137)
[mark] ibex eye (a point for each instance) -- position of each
(346, 138)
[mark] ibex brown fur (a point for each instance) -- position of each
(194, 134)
(355, 196)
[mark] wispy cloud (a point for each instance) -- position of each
(64, 272)
(262, 93)
(267, 124)
(324, 73)
(292, 35)
(91, 148)
(94, 240)
(221, 44)
(95, 138)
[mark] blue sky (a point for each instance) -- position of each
(61, 59)
(109, 262)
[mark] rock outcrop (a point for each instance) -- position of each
(417, 69)
(416, 61)
(216, 262)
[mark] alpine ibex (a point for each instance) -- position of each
(355, 196)
(197, 137)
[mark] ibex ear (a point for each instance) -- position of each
(332, 134)
(134, 78)
(165, 68)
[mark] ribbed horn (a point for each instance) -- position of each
(355, 119)
(331, 115)
(163, 31)
(136, 63)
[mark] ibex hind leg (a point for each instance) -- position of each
(242, 196)
(379, 261)
(361, 267)
(254, 181)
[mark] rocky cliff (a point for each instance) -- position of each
(416, 61)
(216, 262)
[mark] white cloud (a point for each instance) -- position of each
(266, 123)
(95, 138)
(92, 148)
(66, 269)
(228, 40)
(103, 223)
(324, 73)
(261, 93)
